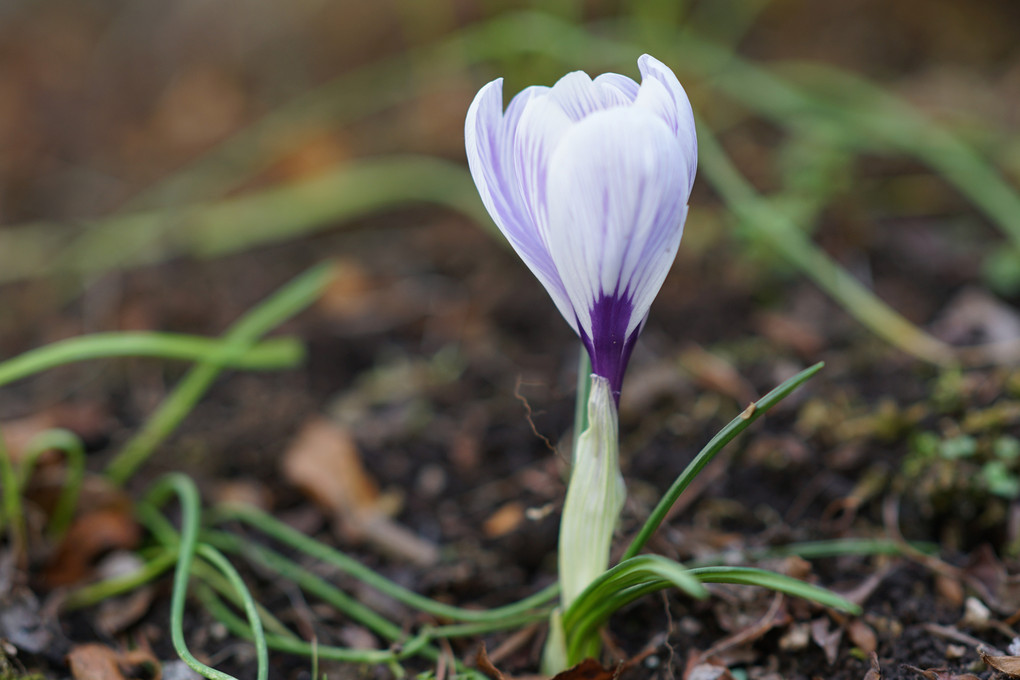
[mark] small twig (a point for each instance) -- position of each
(752, 632)
(670, 626)
(514, 642)
(959, 636)
(891, 518)
(528, 414)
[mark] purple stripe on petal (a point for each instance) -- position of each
(589, 181)
(610, 345)
(489, 135)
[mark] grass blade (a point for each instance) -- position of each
(721, 439)
(273, 354)
(283, 304)
(751, 576)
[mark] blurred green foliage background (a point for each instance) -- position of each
(135, 133)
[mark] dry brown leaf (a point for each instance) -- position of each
(504, 520)
(486, 666)
(986, 573)
(90, 536)
(589, 669)
(827, 639)
(939, 673)
(950, 589)
(1010, 665)
(325, 463)
(349, 293)
(875, 671)
(715, 373)
(94, 661)
(786, 331)
(243, 492)
(18, 433)
(862, 635)
(929, 674)
(88, 420)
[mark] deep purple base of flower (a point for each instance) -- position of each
(610, 351)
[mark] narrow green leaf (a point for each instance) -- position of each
(615, 588)
(751, 576)
(724, 437)
(272, 354)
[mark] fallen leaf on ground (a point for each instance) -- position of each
(88, 420)
(589, 669)
(986, 574)
(939, 673)
(950, 589)
(862, 635)
(787, 331)
(1010, 665)
(875, 671)
(325, 463)
(715, 373)
(827, 639)
(90, 536)
(94, 661)
(506, 518)
(485, 664)
(243, 492)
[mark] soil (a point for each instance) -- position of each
(448, 365)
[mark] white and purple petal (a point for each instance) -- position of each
(489, 136)
(589, 181)
(617, 199)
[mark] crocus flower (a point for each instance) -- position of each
(589, 182)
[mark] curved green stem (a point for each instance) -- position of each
(216, 558)
(273, 354)
(308, 581)
(415, 646)
(187, 495)
(295, 539)
(86, 596)
(285, 303)
(13, 515)
(71, 446)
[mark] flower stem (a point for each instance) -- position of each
(591, 510)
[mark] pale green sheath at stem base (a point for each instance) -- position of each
(595, 496)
